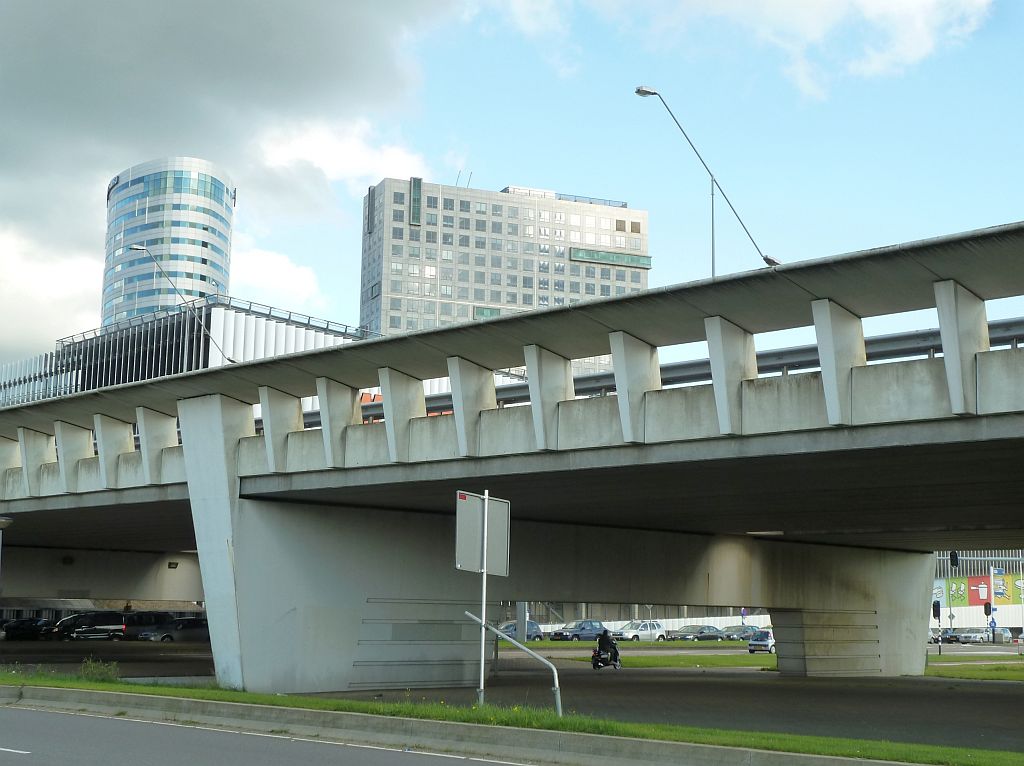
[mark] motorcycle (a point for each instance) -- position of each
(599, 659)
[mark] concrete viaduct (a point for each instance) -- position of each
(326, 555)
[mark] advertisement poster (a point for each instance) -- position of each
(1000, 590)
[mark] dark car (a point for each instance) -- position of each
(25, 629)
(739, 632)
(117, 626)
(63, 628)
(579, 630)
(533, 631)
(696, 633)
(181, 629)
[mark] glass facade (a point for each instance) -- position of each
(180, 211)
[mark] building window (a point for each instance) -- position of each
(513, 212)
(620, 275)
(447, 238)
(511, 298)
(527, 299)
(512, 280)
(414, 235)
(544, 215)
(396, 268)
(449, 203)
(496, 278)
(495, 227)
(463, 205)
(634, 227)
(431, 219)
(481, 208)
(399, 198)
(620, 225)
(397, 232)
(398, 215)
(527, 283)
(448, 221)
(395, 304)
(396, 250)
(431, 237)
(496, 244)
(464, 224)
(589, 289)
(431, 203)
(634, 277)
(574, 287)
(495, 209)
(480, 243)
(414, 269)
(395, 322)
(463, 240)
(606, 291)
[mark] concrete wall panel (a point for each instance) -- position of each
(681, 413)
(888, 393)
(507, 431)
(784, 403)
(305, 451)
(50, 480)
(114, 575)
(172, 465)
(366, 445)
(90, 475)
(584, 423)
(130, 470)
(252, 456)
(1000, 376)
(433, 438)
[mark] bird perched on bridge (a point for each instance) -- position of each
(771, 261)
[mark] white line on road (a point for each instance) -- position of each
(17, 752)
(229, 730)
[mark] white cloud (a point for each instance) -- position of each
(348, 152)
(821, 39)
(274, 279)
(66, 286)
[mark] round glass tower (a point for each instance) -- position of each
(168, 236)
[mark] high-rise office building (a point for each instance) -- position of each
(435, 255)
(178, 209)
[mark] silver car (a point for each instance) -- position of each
(640, 630)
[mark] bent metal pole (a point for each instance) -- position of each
(483, 598)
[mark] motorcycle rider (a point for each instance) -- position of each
(605, 643)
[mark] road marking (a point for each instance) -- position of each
(18, 752)
(467, 758)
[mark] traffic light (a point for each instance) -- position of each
(954, 559)
(988, 608)
(935, 609)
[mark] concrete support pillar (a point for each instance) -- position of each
(113, 439)
(733, 360)
(550, 382)
(157, 432)
(36, 448)
(637, 371)
(339, 409)
(472, 392)
(74, 443)
(403, 401)
(840, 349)
(963, 326)
(282, 415)
(522, 618)
(211, 427)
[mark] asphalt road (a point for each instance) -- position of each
(27, 738)
(925, 710)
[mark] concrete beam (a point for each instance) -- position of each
(74, 443)
(472, 393)
(550, 382)
(211, 427)
(36, 448)
(963, 327)
(339, 409)
(840, 348)
(733, 360)
(637, 371)
(403, 401)
(157, 432)
(113, 438)
(282, 415)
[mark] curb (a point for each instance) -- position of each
(519, 745)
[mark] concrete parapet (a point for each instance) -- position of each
(784, 403)
(585, 423)
(891, 393)
(679, 414)
(507, 431)
(999, 376)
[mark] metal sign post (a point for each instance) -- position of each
(481, 545)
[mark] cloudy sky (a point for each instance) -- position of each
(833, 125)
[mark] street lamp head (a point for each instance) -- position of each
(136, 247)
(645, 90)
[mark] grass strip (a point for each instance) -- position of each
(543, 719)
(745, 660)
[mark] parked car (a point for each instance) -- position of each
(696, 633)
(973, 635)
(63, 628)
(579, 630)
(739, 632)
(763, 641)
(533, 631)
(949, 636)
(637, 630)
(181, 629)
(110, 626)
(25, 628)
(1006, 633)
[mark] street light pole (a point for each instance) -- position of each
(644, 91)
(188, 305)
